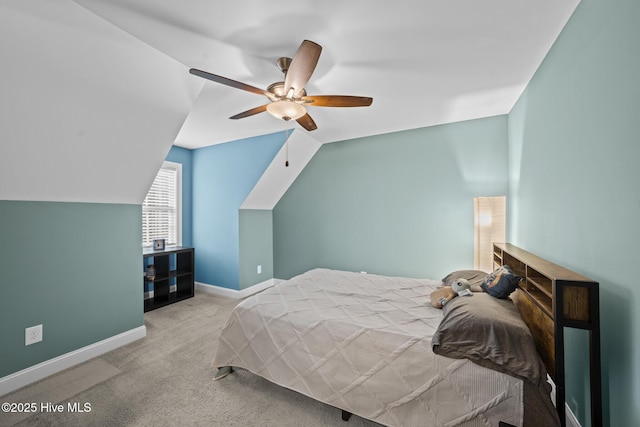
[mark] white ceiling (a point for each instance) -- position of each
(424, 62)
(87, 111)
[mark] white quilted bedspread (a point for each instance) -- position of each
(362, 343)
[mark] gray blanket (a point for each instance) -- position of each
(362, 343)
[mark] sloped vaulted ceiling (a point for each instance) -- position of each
(87, 111)
(424, 62)
(94, 92)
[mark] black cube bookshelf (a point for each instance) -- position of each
(174, 276)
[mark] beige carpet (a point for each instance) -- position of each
(165, 379)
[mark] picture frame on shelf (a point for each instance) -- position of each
(158, 244)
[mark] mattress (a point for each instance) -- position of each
(362, 343)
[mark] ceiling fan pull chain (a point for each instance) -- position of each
(286, 142)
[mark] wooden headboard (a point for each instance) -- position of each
(550, 298)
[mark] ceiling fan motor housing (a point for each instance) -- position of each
(277, 89)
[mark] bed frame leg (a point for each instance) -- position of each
(346, 415)
(222, 372)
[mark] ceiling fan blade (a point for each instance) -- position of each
(302, 66)
(337, 101)
(228, 82)
(307, 122)
(251, 112)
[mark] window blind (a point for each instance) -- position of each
(160, 209)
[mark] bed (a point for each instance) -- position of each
(374, 346)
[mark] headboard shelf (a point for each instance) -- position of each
(550, 298)
(539, 283)
(497, 257)
(539, 298)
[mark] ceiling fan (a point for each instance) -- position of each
(289, 99)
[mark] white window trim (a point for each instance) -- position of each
(178, 168)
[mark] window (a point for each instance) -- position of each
(489, 227)
(162, 208)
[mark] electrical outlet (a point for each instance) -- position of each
(259, 269)
(33, 335)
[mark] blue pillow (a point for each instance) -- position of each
(501, 282)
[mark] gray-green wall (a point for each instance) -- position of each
(574, 179)
(72, 267)
(395, 204)
(256, 246)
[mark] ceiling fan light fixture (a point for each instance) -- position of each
(286, 110)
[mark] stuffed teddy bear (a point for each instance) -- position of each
(440, 297)
(461, 287)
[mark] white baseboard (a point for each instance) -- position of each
(570, 417)
(233, 293)
(49, 367)
(572, 421)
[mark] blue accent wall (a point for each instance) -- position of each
(223, 176)
(574, 199)
(72, 267)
